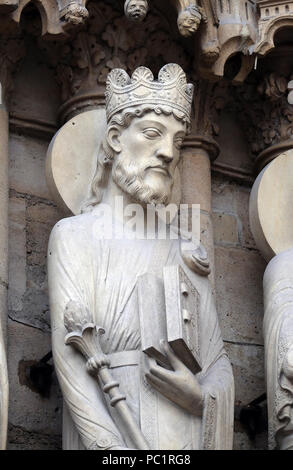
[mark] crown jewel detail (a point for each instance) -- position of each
(171, 90)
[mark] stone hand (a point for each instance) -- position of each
(179, 385)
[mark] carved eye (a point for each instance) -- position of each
(151, 133)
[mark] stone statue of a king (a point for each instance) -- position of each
(159, 377)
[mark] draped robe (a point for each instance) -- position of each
(102, 274)
(278, 334)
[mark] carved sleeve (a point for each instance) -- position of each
(69, 279)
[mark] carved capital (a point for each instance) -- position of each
(209, 100)
(109, 41)
(267, 117)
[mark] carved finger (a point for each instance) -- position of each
(158, 384)
(173, 359)
(160, 372)
(161, 387)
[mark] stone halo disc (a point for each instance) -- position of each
(271, 207)
(72, 159)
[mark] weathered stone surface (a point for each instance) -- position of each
(233, 199)
(29, 234)
(27, 165)
(17, 250)
(21, 439)
(239, 297)
(27, 408)
(226, 230)
(3, 193)
(41, 217)
(206, 238)
(242, 441)
(196, 178)
(248, 369)
(40, 85)
(233, 142)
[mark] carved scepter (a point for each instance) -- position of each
(84, 336)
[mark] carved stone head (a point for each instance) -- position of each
(189, 20)
(147, 123)
(136, 10)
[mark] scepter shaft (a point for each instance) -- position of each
(84, 336)
(117, 400)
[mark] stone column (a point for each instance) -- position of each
(3, 270)
(195, 168)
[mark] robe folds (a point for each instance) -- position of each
(278, 334)
(101, 274)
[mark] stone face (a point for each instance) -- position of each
(239, 271)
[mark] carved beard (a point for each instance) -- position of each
(130, 178)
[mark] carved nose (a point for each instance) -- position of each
(166, 158)
(166, 153)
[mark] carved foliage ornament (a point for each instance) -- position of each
(265, 113)
(111, 41)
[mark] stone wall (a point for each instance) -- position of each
(34, 422)
(239, 273)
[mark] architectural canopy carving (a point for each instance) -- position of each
(58, 17)
(266, 116)
(224, 29)
(274, 16)
(109, 41)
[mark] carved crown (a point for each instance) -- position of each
(171, 91)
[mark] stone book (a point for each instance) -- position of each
(152, 316)
(182, 316)
(169, 310)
